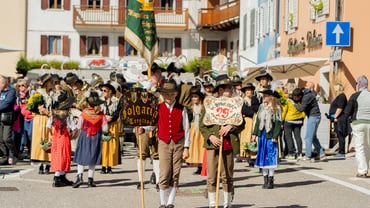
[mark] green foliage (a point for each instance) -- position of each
(206, 63)
(318, 6)
(191, 66)
(23, 66)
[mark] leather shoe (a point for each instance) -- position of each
(138, 187)
(359, 175)
(103, 170)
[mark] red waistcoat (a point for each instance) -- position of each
(170, 123)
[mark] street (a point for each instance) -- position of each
(297, 184)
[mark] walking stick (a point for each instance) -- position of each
(141, 172)
(219, 170)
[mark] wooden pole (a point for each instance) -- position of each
(141, 171)
(219, 170)
(149, 71)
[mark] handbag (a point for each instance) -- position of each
(7, 118)
(107, 137)
(46, 145)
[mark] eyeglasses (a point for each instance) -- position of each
(105, 90)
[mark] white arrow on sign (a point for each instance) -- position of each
(337, 31)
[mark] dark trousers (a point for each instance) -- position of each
(341, 129)
(289, 130)
(6, 141)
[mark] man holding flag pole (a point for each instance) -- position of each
(141, 33)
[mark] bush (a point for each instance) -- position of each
(23, 66)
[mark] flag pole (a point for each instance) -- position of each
(141, 170)
(219, 170)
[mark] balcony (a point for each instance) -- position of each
(115, 17)
(223, 17)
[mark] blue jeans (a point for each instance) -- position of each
(27, 135)
(311, 136)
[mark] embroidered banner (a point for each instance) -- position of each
(223, 111)
(140, 108)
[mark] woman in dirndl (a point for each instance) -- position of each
(93, 124)
(196, 149)
(61, 125)
(40, 154)
(267, 128)
(110, 146)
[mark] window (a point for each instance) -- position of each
(54, 45)
(94, 4)
(130, 51)
(55, 4)
(93, 45)
(213, 48)
(166, 47)
(167, 4)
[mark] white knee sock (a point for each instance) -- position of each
(80, 169)
(156, 170)
(138, 169)
(172, 195)
(271, 171)
(162, 196)
(91, 171)
(57, 174)
(265, 171)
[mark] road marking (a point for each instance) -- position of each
(334, 180)
(17, 174)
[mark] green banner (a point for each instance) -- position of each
(140, 29)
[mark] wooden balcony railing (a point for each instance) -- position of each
(221, 14)
(116, 17)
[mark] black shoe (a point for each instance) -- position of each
(153, 179)
(78, 181)
(157, 187)
(58, 182)
(103, 170)
(198, 171)
(265, 180)
(109, 170)
(65, 180)
(270, 183)
(91, 183)
(47, 169)
(41, 169)
(138, 186)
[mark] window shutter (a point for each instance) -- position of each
(252, 36)
(121, 46)
(257, 23)
(178, 47)
(157, 4)
(65, 45)
(82, 45)
(223, 47)
(286, 15)
(44, 45)
(67, 5)
(295, 13)
(83, 4)
(178, 6)
(44, 4)
(262, 21)
(273, 16)
(204, 48)
(105, 46)
(312, 11)
(325, 9)
(106, 5)
(245, 19)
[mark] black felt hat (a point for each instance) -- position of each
(221, 81)
(264, 73)
(153, 68)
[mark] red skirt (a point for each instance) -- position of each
(61, 152)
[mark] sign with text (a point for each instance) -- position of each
(223, 111)
(140, 108)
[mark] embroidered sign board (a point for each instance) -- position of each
(223, 111)
(140, 108)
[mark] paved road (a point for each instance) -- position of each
(298, 184)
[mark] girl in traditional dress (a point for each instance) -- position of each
(196, 139)
(88, 151)
(110, 147)
(61, 125)
(267, 128)
(40, 133)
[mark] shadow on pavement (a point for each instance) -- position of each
(298, 183)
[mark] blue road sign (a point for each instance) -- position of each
(338, 34)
